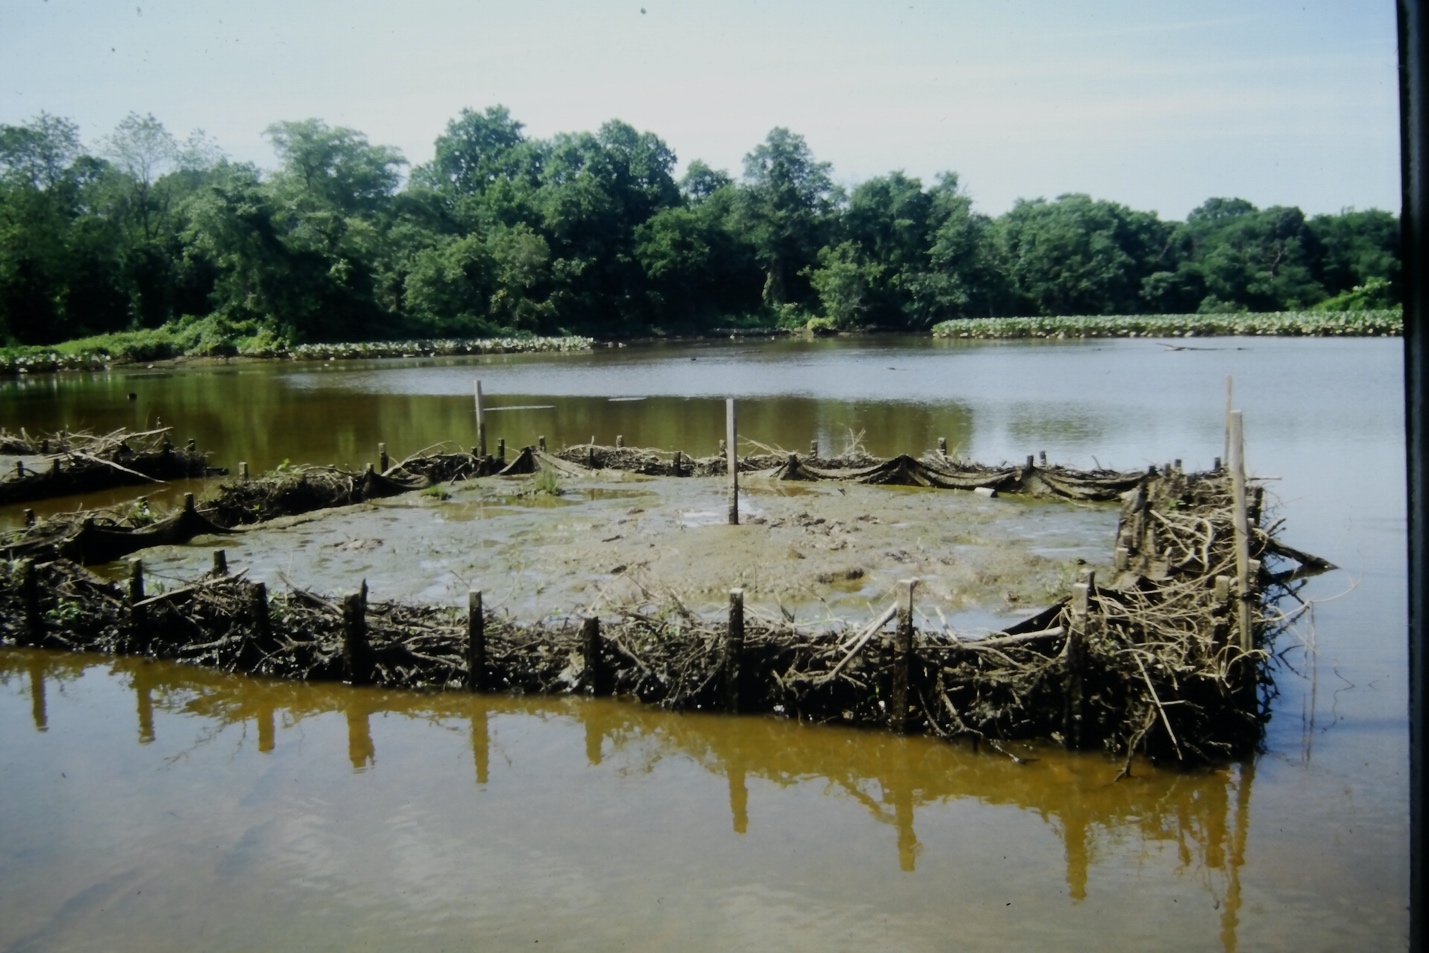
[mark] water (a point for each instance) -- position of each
(152, 807)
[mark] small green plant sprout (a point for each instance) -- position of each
(545, 482)
(438, 492)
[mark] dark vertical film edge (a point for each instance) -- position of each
(1414, 148)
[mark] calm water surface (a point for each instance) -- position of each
(155, 807)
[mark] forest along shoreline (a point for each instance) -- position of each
(1166, 656)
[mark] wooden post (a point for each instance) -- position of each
(383, 463)
(1075, 654)
(356, 652)
(541, 443)
(1042, 458)
(475, 643)
(943, 447)
(243, 470)
(1216, 466)
(30, 586)
(220, 563)
(619, 441)
(1029, 465)
(902, 657)
(733, 651)
(501, 450)
(192, 445)
(137, 614)
(679, 462)
(731, 434)
(258, 613)
(814, 449)
(480, 424)
(29, 518)
(20, 469)
(593, 676)
(1242, 530)
(188, 502)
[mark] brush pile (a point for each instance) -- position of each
(72, 463)
(1156, 662)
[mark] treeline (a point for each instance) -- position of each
(591, 233)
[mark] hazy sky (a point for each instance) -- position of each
(1155, 104)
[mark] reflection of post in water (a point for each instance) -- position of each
(1074, 841)
(360, 750)
(594, 736)
(1230, 915)
(265, 727)
(480, 744)
(902, 797)
(738, 793)
(143, 692)
(37, 692)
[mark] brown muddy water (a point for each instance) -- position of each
(153, 807)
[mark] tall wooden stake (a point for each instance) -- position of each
(356, 652)
(590, 648)
(480, 424)
(1242, 530)
(731, 432)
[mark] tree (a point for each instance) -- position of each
(334, 168)
(785, 211)
(1252, 259)
(473, 152)
(39, 152)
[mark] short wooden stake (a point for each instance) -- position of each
(356, 652)
(137, 614)
(1074, 656)
(475, 643)
(220, 563)
(258, 614)
(188, 502)
(541, 443)
(731, 435)
(480, 423)
(1029, 464)
(943, 447)
(1042, 458)
(243, 469)
(594, 675)
(192, 445)
(501, 450)
(902, 657)
(29, 517)
(30, 585)
(619, 440)
(679, 462)
(20, 469)
(1122, 559)
(814, 449)
(383, 463)
(733, 651)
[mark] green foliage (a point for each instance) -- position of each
(1289, 323)
(147, 245)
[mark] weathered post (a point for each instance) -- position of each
(356, 652)
(480, 424)
(1230, 391)
(593, 675)
(188, 502)
(192, 445)
(30, 586)
(243, 470)
(943, 447)
(1029, 465)
(475, 643)
(814, 449)
(1075, 656)
(902, 657)
(1042, 458)
(679, 462)
(733, 651)
(731, 432)
(29, 518)
(220, 562)
(383, 463)
(501, 451)
(619, 441)
(258, 614)
(138, 630)
(19, 469)
(541, 443)
(1242, 529)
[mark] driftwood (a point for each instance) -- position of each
(82, 463)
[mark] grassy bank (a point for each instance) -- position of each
(201, 340)
(1288, 323)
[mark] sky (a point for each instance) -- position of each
(1157, 104)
